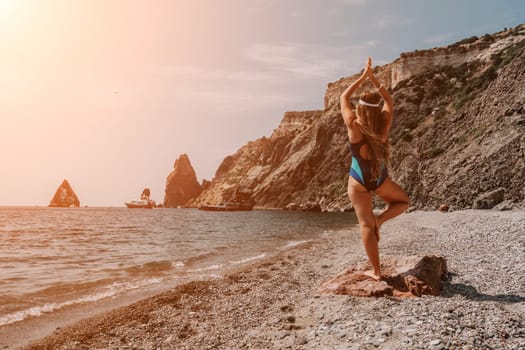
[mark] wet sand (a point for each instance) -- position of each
(274, 303)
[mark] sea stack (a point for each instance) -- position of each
(65, 197)
(181, 185)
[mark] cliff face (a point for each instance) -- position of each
(181, 184)
(473, 144)
(65, 197)
(293, 164)
(459, 119)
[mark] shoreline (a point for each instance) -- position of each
(22, 332)
(273, 302)
(183, 258)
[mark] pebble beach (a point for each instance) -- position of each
(274, 303)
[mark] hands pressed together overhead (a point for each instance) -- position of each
(368, 73)
(368, 67)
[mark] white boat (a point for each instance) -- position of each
(140, 204)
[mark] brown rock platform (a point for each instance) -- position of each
(402, 277)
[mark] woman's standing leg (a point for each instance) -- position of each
(362, 202)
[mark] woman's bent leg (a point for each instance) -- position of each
(395, 198)
(362, 202)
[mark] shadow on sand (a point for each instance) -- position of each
(451, 289)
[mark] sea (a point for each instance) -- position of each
(55, 258)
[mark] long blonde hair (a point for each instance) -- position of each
(373, 126)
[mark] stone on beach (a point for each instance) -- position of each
(402, 277)
(505, 205)
(489, 199)
(64, 197)
(308, 207)
(444, 208)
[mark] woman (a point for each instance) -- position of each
(368, 131)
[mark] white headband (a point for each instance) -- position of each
(364, 103)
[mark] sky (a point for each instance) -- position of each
(108, 93)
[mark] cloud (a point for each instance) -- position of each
(338, 9)
(383, 21)
(197, 73)
(308, 60)
(333, 12)
(341, 34)
(273, 76)
(438, 39)
(238, 99)
(354, 2)
(227, 90)
(377, 23)
(297, 13)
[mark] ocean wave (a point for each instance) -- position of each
(178, 264)
(109, 291)
(200, 257)
(251, 258)
(206, 268)
(292, 244)
(153, 266)
(230, 262)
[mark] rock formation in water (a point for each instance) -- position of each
(402, 277)
(458, 132)
(65, 197)
(145, 193)
(181, 184)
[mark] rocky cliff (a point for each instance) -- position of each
(181, 184)
(64, 197)
(458, 132)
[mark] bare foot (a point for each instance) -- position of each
(373, 275)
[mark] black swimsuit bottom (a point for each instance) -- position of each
(360, 168)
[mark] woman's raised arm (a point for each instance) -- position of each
(388, 107)
(346, 109)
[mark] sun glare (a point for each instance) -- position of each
(8, 12)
